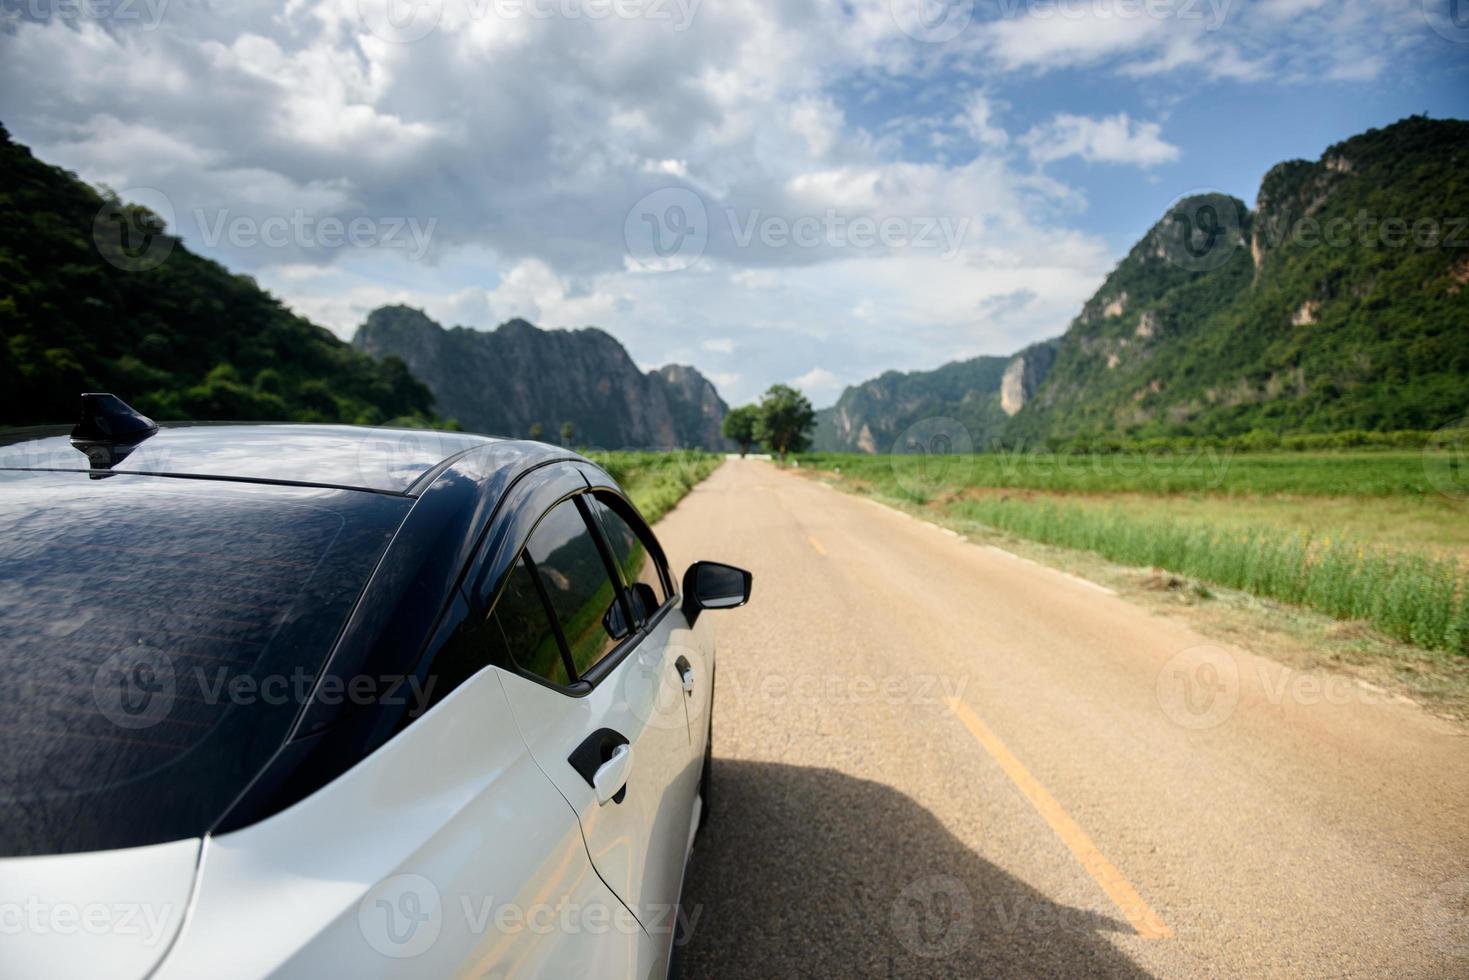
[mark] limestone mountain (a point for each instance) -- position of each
(980, 393)
(507, 380)
(1339, 302)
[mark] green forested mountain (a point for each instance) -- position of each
(84, 306)
(1340, 302)
(980, 394)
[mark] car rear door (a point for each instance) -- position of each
(599, 702)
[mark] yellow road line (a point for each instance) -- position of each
(1143, 919)
(816, 544)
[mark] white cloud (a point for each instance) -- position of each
(724, 380)
(1111, 139)
(529, 141)
(1051, 42)
(978, 120)
(817, 379)
(1275, 41)
(719, 345)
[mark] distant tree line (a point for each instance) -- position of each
(781, 421)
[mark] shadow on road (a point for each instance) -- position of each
(809, 872)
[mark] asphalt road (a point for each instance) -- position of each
(935, 759)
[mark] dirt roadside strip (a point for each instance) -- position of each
(1134, 798)
(1343, 653)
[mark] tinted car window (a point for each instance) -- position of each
(156, 640)
(520, 627)
(576, 581)
(634, 555)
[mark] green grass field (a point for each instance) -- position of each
(1381, 537)
(657, 480)
(1383, 473)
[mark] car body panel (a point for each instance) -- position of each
(374, 825)
(438, 855)
(100, 914)
(636, 844)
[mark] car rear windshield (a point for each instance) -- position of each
(157, 638)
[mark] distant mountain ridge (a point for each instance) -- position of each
(506, 380)
(1340, 302)
(980, 394)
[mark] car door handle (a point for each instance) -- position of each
(611, 777)
(685, 674)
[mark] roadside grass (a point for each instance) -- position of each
(1409, 593)
(1409, 596)
(1436, 525)
(1362, 473)
(656, 480)
(1299, 638)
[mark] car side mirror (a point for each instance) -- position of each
(614, 621)
(713, 585)
(644, 601)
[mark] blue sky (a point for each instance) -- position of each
(807, 191)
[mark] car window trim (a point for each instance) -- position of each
(546, 607)
(620, 585)
(584, 683)
(623, 508)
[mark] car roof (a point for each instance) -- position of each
(354, 457)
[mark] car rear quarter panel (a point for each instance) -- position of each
(445, 853)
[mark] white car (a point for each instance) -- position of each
(320, 701)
